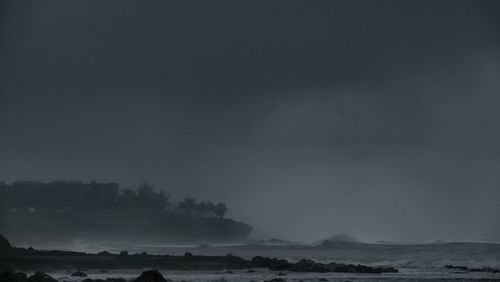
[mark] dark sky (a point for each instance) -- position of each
(380, 119)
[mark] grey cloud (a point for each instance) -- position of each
(378, 119)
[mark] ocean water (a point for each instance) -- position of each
(422, 262)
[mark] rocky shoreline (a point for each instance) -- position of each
(462, 268)
(31, 259)
(14, 260)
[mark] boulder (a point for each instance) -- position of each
(79, 274)
(150, 276)
(307, 265)
(41, 277)
(19, 276)
(6, 276)
(11, 276)
(271, 263)
(93, 280)
(116, 280)
(5, 247)
(5, 266)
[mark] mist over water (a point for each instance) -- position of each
(379, 120)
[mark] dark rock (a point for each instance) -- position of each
(188, 254)
(251, 271)
(271, 263)
(41, 277)
(79, 274)
(323, 279)
(306, 265)
(93, 280)
(104, 253)
(5, 247)
(278, 280)
(485, 269)
(281, 273)
(150, 276)
(115, 280)
(124, 253)
(10, 276)
(465, 268)
(6, 276)
(4, 266)
(19, 276)
(457, 267)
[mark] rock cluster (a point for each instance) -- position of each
(8, 276)
(105, 280)
(79, 274)
(467, 269)
(306, 265)
(150, 276)
(11, 276)
(5, 247)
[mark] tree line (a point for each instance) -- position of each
(144, 197)
(78, 196)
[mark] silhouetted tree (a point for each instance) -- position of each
(78, 196)
(149, 200)
(187, 206)
(202, 209)
(143, 199)
(128, 199)
(211, 209)
(220, 210)
(145, 190)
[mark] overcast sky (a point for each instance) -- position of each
(380, 119)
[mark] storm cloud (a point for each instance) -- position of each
(375, 118)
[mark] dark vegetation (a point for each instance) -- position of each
(92, 196)
(62, 211)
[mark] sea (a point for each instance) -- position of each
(415, 262)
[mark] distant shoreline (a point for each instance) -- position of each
(21, 258)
